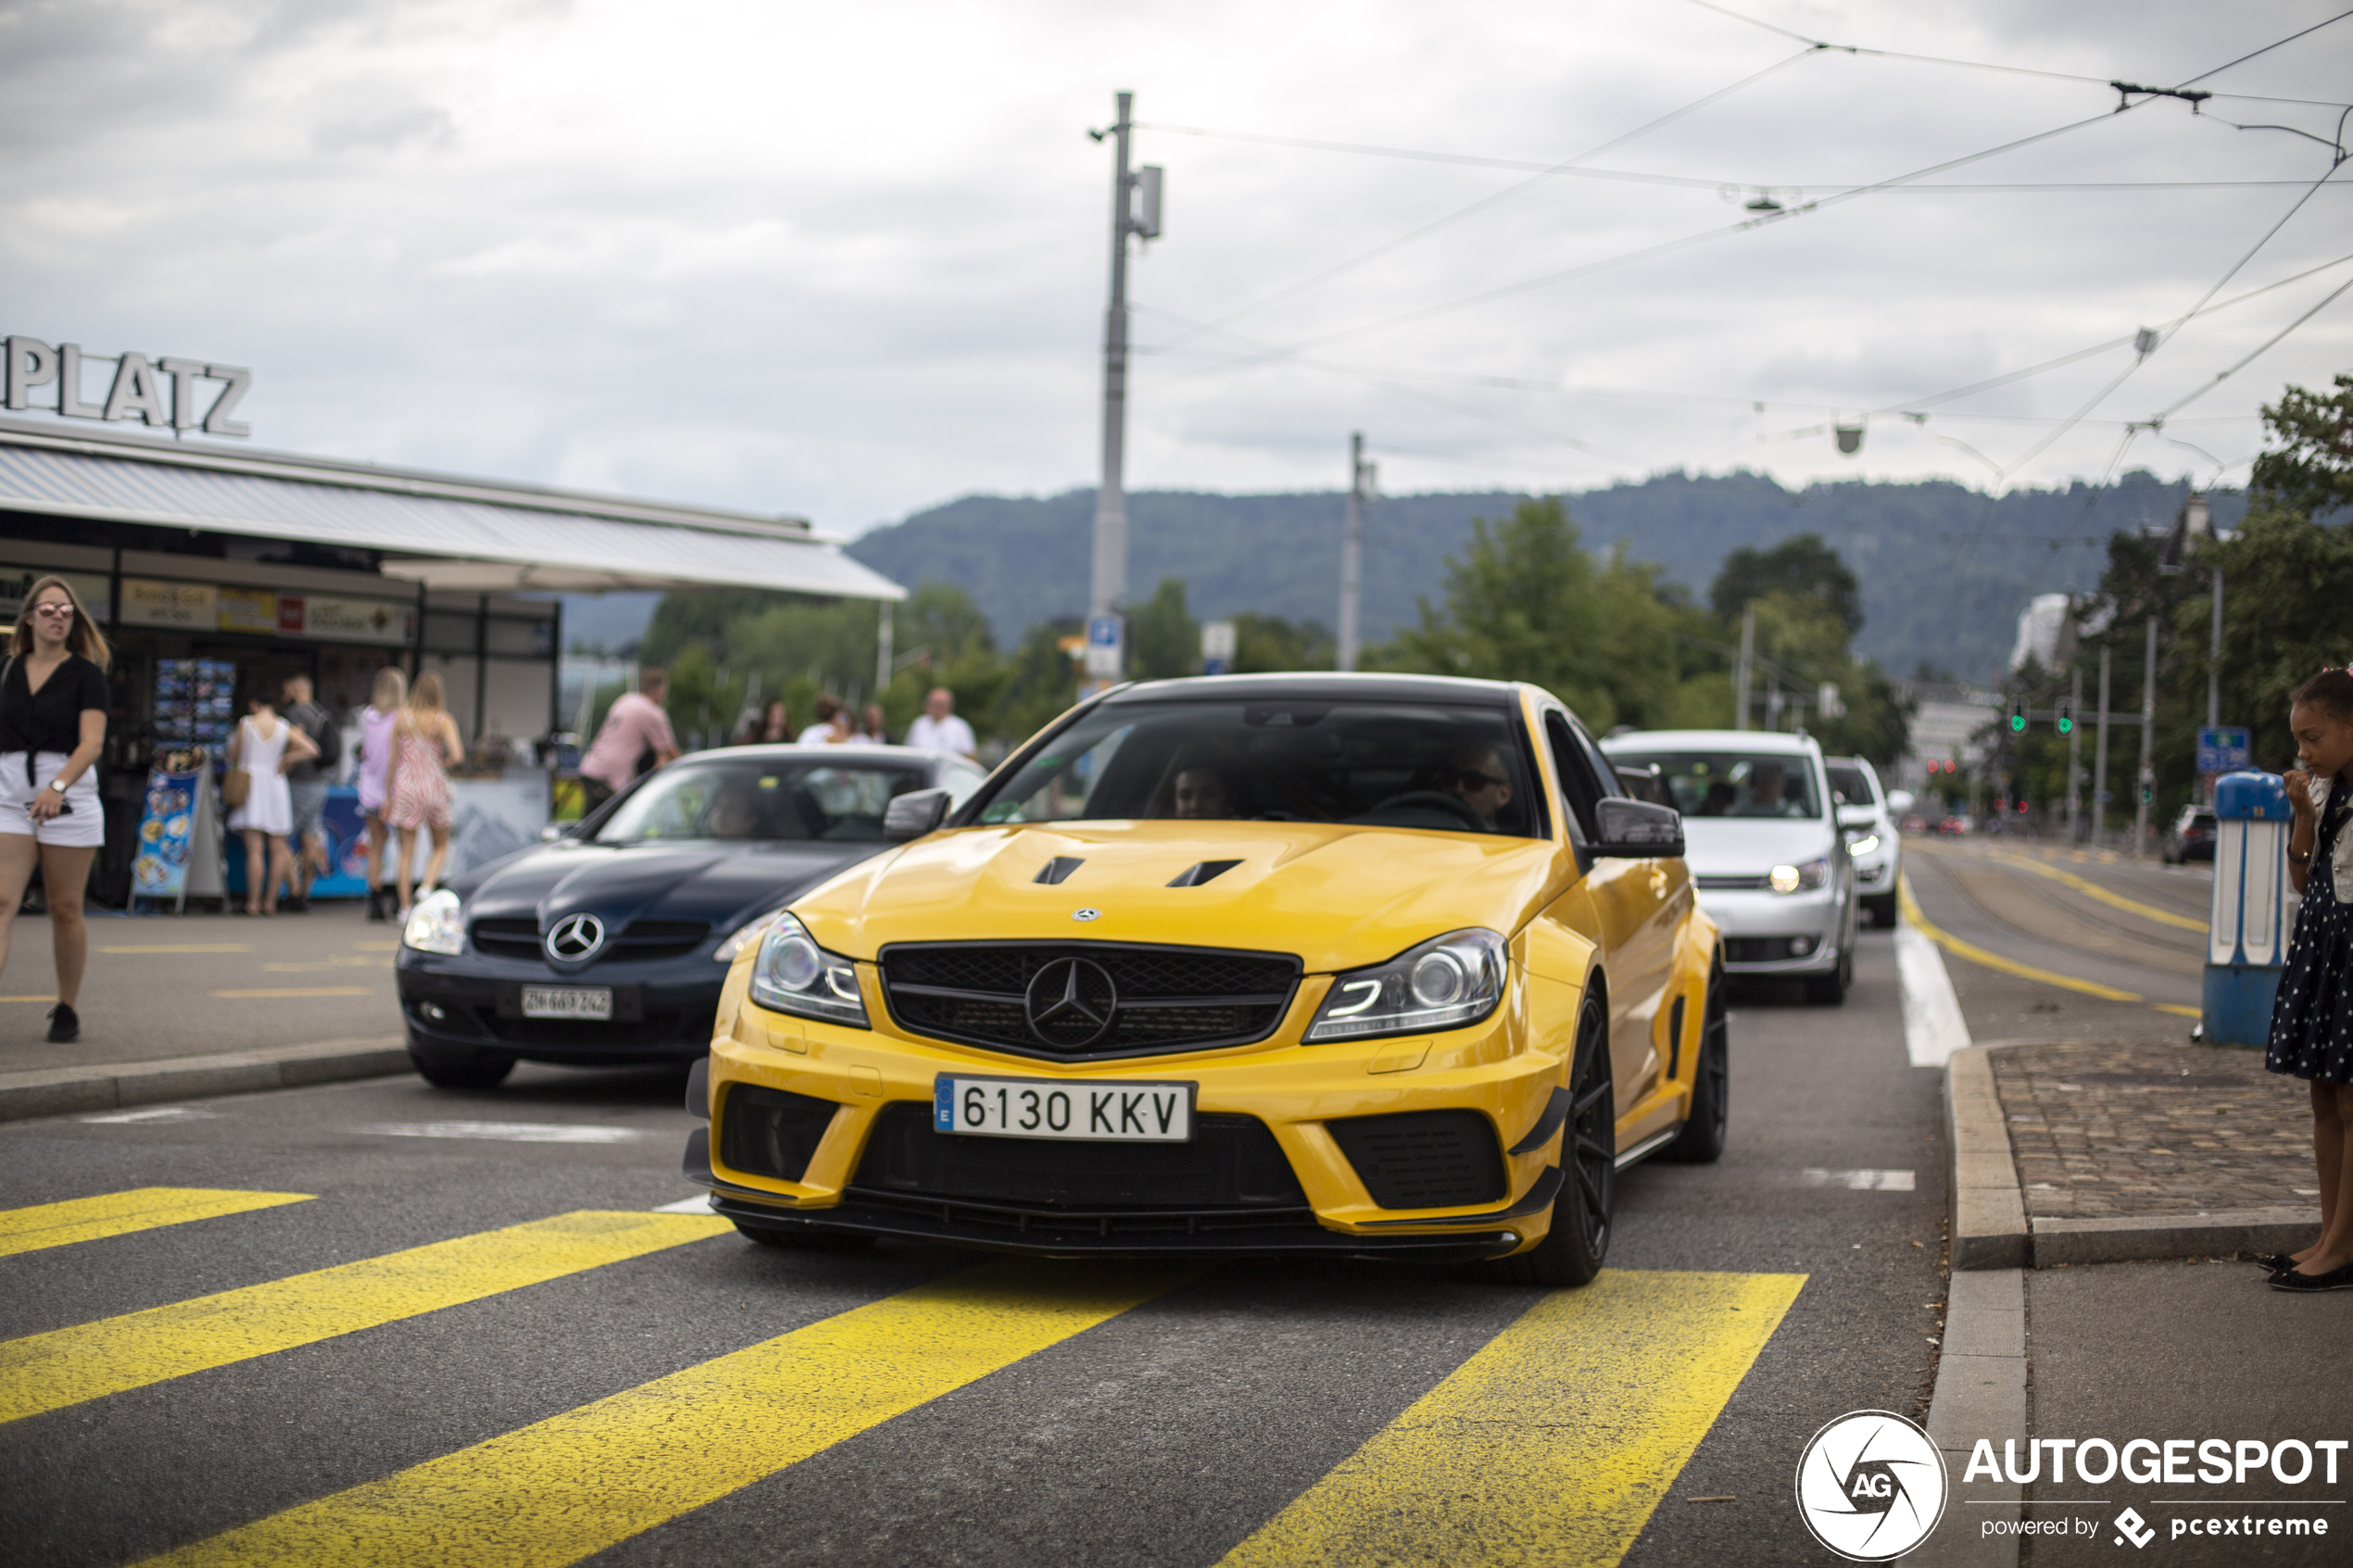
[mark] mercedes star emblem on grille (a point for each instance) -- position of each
(1071, 1003)
(575, 938)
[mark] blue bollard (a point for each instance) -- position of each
(2253, 913)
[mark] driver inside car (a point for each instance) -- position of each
(1768, 793)
(1202, 791)
(1480, 781)
(736, 814)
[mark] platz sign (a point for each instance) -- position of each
(162, 393)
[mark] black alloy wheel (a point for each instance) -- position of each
(475, 1070)
(1572, 1250)
(1702, 1140)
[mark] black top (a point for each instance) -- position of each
(313, 720)
(50, 719)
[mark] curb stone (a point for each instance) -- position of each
(1979, 1392)
(1991, 1230)
(62, 1091)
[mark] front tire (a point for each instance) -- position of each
(477, 1069)
(1881, 909)
(1572, 1250)
(1829, 990)
(1702, 1140)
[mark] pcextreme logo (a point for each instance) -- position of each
(1871, 1486)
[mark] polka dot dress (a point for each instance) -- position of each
(2312, 1020)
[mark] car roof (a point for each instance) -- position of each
(904, 756)
(1324, 686)
(1713, 740)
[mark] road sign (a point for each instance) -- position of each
(2222, 750)
(1105, 637)
(1217, 646)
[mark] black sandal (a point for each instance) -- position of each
(2275, 1262)
(2336, 1279)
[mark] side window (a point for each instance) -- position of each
(1582, 781)
(959, 779)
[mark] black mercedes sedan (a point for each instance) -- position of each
(608, 947)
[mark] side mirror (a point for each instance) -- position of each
(554, 830)
(1637, 830)
(914, 814)
(1858, 818)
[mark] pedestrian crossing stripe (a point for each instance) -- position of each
(1553, 1443)
(565, 1488)
(47, 1372)
(121, 1213)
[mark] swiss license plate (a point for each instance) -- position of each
(568, 1001)
(1030, 1108)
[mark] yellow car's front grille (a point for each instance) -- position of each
(1086, 1001)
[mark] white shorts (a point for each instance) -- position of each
(83, 828)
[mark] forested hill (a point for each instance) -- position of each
(1944, 572)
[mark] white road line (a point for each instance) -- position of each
(698, 1204)
(161, 1113)
(1857, 1181)
(1934, 1028)
(507, 1132)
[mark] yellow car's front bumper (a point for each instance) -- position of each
(879, 1085)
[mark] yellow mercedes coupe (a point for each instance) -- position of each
(1357, 965)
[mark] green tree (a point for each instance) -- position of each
(1163, 638)
(1041, 683)
(1804, 567)
(1269, 645)
(2311, 470)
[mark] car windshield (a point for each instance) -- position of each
(1443, 767)
(1732, 784)
(1850, 784)
(749, 798)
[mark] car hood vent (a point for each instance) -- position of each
(1202, 871)
(1056, 871)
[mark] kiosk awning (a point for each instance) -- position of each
(440, 530)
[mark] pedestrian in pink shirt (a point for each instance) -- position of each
(635, 740)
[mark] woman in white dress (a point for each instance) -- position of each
(263, 749)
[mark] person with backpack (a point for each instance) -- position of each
(306, 782)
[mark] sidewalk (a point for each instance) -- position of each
(174, 1005)
(2164, 1166)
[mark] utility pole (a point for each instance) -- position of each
(1109, 591)
(1740, 671)
(2099, 764)
(2148, 740)
(2074, 748)
(2214, 659)
(1352, 548)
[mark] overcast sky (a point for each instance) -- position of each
(849, 261)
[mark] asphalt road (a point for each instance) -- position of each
(2050, 943)
(636, 1388)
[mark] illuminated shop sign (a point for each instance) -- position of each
(163, 392)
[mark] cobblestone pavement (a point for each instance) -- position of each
(2113, 1129)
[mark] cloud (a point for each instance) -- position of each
(849, 261)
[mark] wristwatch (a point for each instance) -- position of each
(57, 785)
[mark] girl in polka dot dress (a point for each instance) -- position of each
(2312, 1020)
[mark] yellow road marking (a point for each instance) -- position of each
(46, 1372)
(1978, 955)
(2179, 1009)
(566, 1487)
(120, 1213)
(184, 948)
(1553, 1444)
(377, 947)
(300, 991)
(2092, 890)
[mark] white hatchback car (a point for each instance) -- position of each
(1871, 838)
(1762, 839)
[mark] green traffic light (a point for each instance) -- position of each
(2065, 724)
(2017, 724)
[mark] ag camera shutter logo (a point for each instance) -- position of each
(1871, 1486)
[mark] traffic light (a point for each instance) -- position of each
(2066, 717)
(2018, 717)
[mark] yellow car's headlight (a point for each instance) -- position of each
(1445, 983)
(744, 937)
(793, 974)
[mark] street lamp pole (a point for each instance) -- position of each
(2148, 740)
(2074, 748)
(1109, 590)
(2099, 761)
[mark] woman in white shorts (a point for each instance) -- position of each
(53, 724)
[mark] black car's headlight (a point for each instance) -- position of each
(1447, 982)
(793, 974)
(437, 924)
(744, 937)
(1800, 879)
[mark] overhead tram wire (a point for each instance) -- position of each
(2185, 401)
(1665, 247)
(2024, 70)
(1543, 172)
